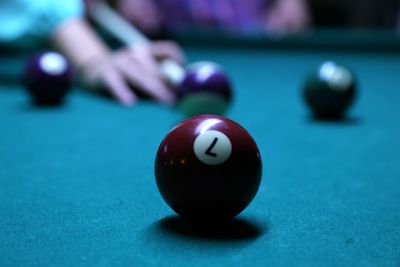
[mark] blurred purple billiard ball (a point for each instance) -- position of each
(47, 76)
(205, 89)
(208, 167)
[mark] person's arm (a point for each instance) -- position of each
(90, 57)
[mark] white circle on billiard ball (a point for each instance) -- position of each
(341, 79)
(337, 77)
(212, 147)
(204, 69)
(53, 63)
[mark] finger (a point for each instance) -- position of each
(167, 49)
(145, 80)
(118, 88)
(144, 56)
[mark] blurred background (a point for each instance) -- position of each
(321, 24)
(157, 17)
(355, 13)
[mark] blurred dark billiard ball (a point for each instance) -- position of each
(47, 76)
(330, 91)
(205, 89)
(208, 167)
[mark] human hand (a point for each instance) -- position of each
(136, 66)
(288, 16)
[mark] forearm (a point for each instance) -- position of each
(79, 42)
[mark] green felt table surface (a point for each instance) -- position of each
(77, 184)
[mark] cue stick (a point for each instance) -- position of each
(129, 35)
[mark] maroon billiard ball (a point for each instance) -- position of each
(208, 167)
(47, 76)
(205, 89)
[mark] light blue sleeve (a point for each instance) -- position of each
(29, 23)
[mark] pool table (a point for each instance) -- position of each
(77, 184)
